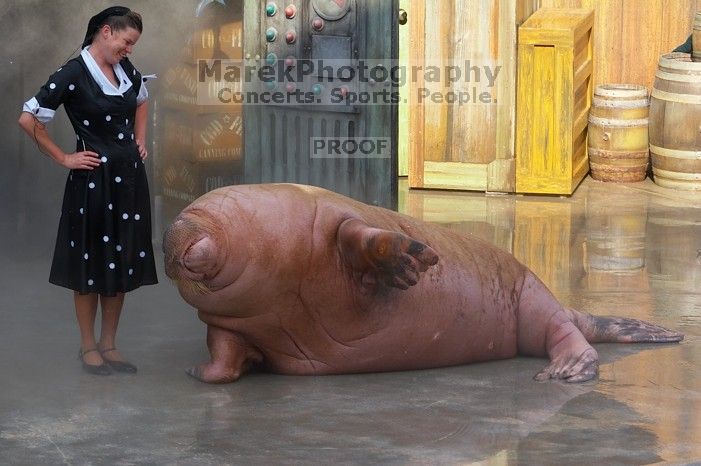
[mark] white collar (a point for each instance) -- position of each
(107, 87)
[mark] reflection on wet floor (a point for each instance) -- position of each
(631, 250)
(628, 250)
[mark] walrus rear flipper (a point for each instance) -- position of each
(383, 256)
(623, 330)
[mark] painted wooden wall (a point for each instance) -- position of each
(469, 146)
(630, 35)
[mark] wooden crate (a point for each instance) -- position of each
(224, 41)
(183, 181)
(203, 136)
(554, 95)
(468, 146)
(185, 89)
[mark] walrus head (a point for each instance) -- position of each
(195, 247)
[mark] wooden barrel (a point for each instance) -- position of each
(696, 38)
(675, 123)
(618, 125)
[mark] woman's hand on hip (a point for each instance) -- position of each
(83, 160)
(143, 153)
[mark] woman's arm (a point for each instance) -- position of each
(85, 160)
(140, 121)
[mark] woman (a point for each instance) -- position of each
(103, 247)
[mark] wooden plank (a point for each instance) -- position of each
(456, 175)
(475, 39)
(645, 23)
(417, 13)
(524, 108)
(502, 171)
(437, 52)
(403, 134)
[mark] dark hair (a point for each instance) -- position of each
(130, 20)
(127, 19)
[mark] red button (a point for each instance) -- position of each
(291, 37)
(291, 11)
(318, 24)
(290, 62)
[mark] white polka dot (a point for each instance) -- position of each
(142, 254)
(59, 69)
(132, 136)
(85, 256)
(108, 118)
(109, 206)
(81, 211)
(86, 122)
(134, 73)
(111, 265)
(77, 137)
(90, 282)
(103, 159)
(137, 217)
(71, 87)
(118, 179)
(127, 122)
(125, 216)
(120, 135)
(72, 244)
(52, 86)
(135, 164)
(131, 271)
(119, 248)
(91, 185)
(105, 238)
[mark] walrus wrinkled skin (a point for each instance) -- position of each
(300, 280)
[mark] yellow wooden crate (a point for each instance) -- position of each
(553, 99)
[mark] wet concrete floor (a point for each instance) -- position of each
(625, 250)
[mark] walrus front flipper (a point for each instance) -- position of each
(383, 256)
(231, 357)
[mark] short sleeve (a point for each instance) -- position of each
(143, 94)
(55, 92)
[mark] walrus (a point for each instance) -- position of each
(299, 280)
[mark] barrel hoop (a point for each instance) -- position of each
(621, 90)
(618, 154)
(682, 176)
(620, 103)
(676, 154)
(632, 171)
(676, 77)
(616, 123)
(679, 61)
(680, 98)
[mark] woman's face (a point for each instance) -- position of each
(118, 44)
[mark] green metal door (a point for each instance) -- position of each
(334, 128)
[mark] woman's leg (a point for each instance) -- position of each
(85, 310)
(111, 310)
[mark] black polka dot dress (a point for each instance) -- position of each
(104, 236)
